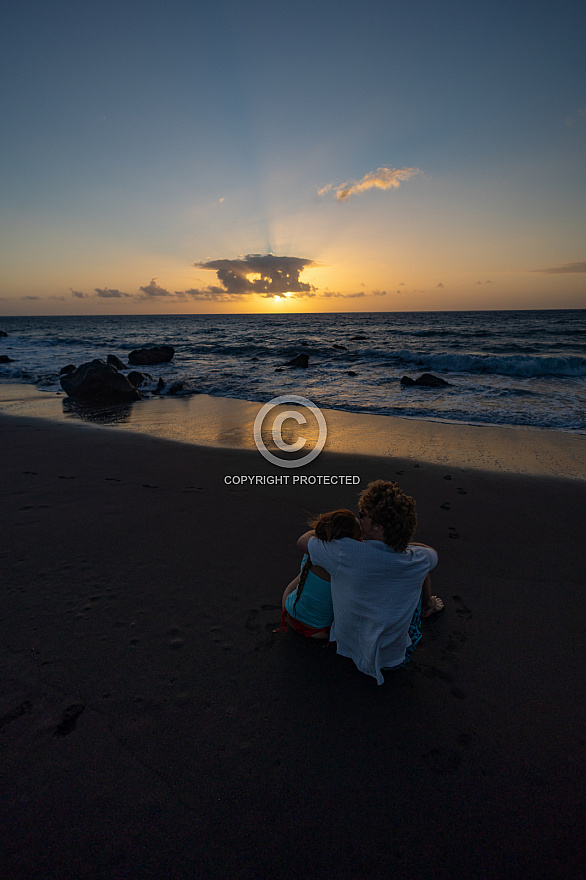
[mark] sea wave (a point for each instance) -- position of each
(504, 365)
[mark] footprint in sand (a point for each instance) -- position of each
(32, 473)
(148, 486)
(112, 479)
(453, 533)
(264, 631)
(442, 760)
(461, 609)
(16, 713)
(69, 720)
(447, 477)
(66, 478)
(461, 491)
(446, 506)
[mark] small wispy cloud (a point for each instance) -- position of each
(440, 285)
(78, 294)
(109, 293)
(566, 269)
(153, 291)
(383, 178)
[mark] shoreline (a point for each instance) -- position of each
(227, 423)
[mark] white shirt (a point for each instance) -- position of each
(375, 591)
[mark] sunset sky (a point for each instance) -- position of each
(170, 157)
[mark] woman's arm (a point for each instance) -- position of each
(304, 540)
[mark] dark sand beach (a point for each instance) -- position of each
(154, 726)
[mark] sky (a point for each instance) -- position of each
(182, 157)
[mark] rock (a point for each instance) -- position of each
(151, 354)
(300, 361)
(305, 343)
(115, 362)
(279, 370)
(254, 359)
(427, 380)
(135, 378)
(97, 380)
(160, 386)
(175, 388)
(4, 359)
(340, 347)
(358, 338)
(351, 373)
(68, 369)
(3, 333)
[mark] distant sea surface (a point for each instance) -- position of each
(525, 368)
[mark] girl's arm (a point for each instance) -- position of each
(304, 540)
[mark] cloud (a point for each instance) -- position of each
(485, 282)
(264, 274)
(30, 298)
(108, 293)
(440, 285)
(379, 293)
(567, 269)
(208, 294)
(78, 293)
(383, 178)
(329, 293)
(152, 290)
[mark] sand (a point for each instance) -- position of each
(152, 725)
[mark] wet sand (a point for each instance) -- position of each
(153, 725)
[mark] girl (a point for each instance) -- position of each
(307, 601)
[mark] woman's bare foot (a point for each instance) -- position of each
(435, 606)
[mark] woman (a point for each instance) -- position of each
(307, 601)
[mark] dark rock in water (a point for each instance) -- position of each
(4, 359)
(279, 370)
(160, 386)
(137, 379)
(3, 333)
(151, 354)
(351, 373)
(254, 359)
(305, 343)
(427, 380)
(115, 362)
(70, 368)
(300, 361)
(175, 388)
(97, 380)
(340, 347)
(358, 338)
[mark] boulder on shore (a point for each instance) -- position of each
(115, 362)
(135, 378)
(300, 361)
(151, 354)
(69, 368)
(3, 333)
(4, 359)
(97, 380)
(427, 380)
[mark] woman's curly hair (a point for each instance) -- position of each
(328, 527)
(387, 505)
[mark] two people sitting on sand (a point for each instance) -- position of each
(379, 584)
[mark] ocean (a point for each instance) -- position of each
(522, 368)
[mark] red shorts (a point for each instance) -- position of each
(307, 631)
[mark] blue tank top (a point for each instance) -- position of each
(315, 603)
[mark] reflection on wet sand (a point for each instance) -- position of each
(100, 413)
